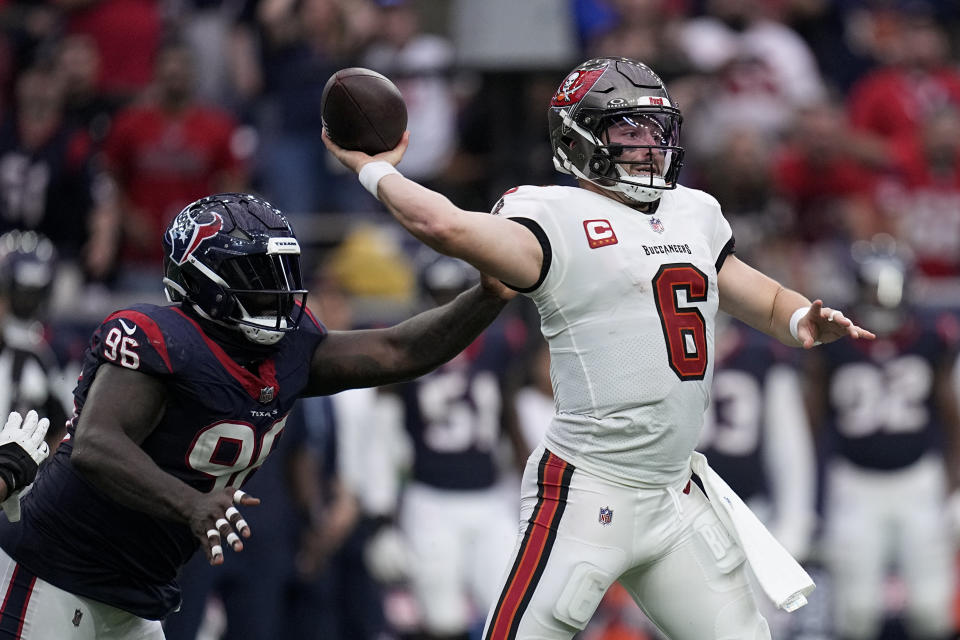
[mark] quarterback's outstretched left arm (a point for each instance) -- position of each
(766, 305)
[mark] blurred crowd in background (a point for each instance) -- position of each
(829, 131)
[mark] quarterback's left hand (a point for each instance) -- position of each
(22, 449)
(822, 324)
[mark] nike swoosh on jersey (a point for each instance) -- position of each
(127, 329)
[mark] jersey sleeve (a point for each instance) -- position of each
(722, 243)
(311, 331)
(134, 339)
(520, 205)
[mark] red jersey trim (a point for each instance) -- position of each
(252, 383)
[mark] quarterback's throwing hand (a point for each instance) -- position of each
(354, 160)
(217, 521)
(22, 449)
(822, 324)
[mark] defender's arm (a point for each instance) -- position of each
(351, 359)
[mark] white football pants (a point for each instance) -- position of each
(665, 545)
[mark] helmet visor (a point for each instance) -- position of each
(266, 287)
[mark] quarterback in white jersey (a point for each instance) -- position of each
(628, 271)
(629, 371)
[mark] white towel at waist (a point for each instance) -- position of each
(780, 576)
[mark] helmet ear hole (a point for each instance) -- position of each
(600, 165)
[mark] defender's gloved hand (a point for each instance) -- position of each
(22, 449)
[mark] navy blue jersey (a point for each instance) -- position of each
(220, 423)
(881, 405)
(454, 414)
(734, 430)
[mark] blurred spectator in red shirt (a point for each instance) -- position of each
(895, 100)
(828, 190)
(921, 199)
(166, 152)
(47, 180)
(127, 34)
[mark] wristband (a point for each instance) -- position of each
(795, 321)
(17, 467)
(371, 173)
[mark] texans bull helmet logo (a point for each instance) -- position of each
(189, 231)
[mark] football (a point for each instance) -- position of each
(363, 111)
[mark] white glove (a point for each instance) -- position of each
(22, 449)
(387, 555)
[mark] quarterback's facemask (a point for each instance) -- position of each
(613, 123)
(235, 260)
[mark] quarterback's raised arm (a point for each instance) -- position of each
(371, 358)
(766, 305)
(496, 246)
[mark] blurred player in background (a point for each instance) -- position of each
(756, 433)
(888, 415)
(455, 514)
(628, 271)
(756, 436)
(28, 368)
(176, 407)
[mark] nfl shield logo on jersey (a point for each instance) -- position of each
(657, 225)
(266, 395)
(606, 515)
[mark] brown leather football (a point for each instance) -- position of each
(363, 111)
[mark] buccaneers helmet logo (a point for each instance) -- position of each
(189, 231)
(575, 86)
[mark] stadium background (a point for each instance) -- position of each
(815, 123)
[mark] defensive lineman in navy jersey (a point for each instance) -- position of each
(628, 271)
(176, 407)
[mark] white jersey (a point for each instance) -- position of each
(627, 304)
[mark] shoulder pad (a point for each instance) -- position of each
(135, 338)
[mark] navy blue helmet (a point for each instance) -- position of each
(27, 269)
(882, 270)
(442, 278)
(235, 259)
